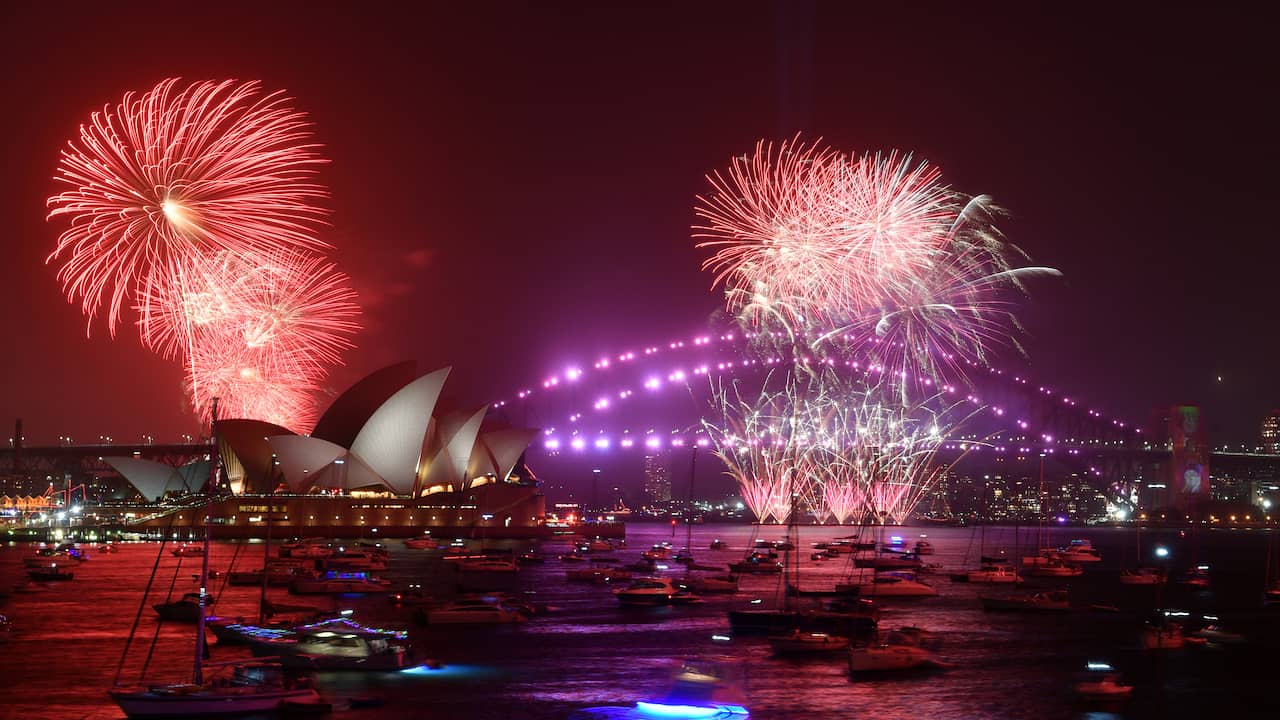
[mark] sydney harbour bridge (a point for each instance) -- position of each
(651, 397)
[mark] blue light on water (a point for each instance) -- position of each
(663, 710)
(448, 671)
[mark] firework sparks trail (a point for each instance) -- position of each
(175, 173)
(840, 449)
(196, 205)
(870, 250)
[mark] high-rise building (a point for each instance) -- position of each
(1271, 433)
(657, 478)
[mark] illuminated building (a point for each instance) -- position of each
(657, 479)
(1271, 433)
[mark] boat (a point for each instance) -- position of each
(1215, 633)
(717, 544)
(1163, 636)
(187, 551)
(1271, 595)
(337, 581)
(1079, 551)
(486, 565)
(275, 577)
(107, 548)
(700, 689)
(246, 688)
(711, 583)
(888, 584)
(1050, 601)
(1055, 568)
(530, 557)
(900, 651)
(655, 591)
(1197, 577)
(995, 573)
(1102, 682)
(486, 609)
(352, 560)
(922, 547)
(187, 609)
(340, 644)
(421, 542)
(756, 564)
(893, 561)
(597, 574)
(1142, 575)
(50, 572)
(802, 642)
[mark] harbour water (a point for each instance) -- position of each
(586, 650)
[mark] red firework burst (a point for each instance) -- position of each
(173, 174)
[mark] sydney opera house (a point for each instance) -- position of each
(385, 460)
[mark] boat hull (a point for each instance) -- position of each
(173, 702)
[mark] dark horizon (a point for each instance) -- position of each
(510, 182)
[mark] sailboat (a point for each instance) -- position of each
(246, 688)
(1141, 574)
(798, 641)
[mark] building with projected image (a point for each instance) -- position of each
(385, 460)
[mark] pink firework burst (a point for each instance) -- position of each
(176, 173)
(289, 304)
(803, 234)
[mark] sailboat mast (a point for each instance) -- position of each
(688, 518)
(197, 675)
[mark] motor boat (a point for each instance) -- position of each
(336, 581)
(888, 584)
(1101, 682)
(340, 645)
(1051, 601)
(529, 557)
(188, 551)
(50, 572)
(655, 591)
(486, 609)
(898, 652)
(802, 642)
(1043, 557)
(756, 564)
(599, 545)
(717, 544)
(276, 577)
(249, 688)
(422, 542)
(187, 609)
(1215, 633)
(1079, 551)
(710, 583)
(995, 573)
(684, 556)
(923, 547)
(1142, 575)
(661, 551)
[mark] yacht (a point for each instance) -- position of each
(894, 561)
(923, 547)
(1102, 682)
(486, 609)
(842, 617)
(655, 591)
(888, 584)
(994, 573)
(276, 576)
(597, 574)
(188, 551)
(1197, 577)
(187, 609)
(422, 542)
(1051, 601)
(487, 565)
(50, 572)
(352, 560)
(900, 651)
(1143, 575)
(1166, 636)
(336, 581)
(801, 642)
(342, 645)
(710, 583)
(756, 564)
(1054, 567)
(1079, 551)
(249, 688)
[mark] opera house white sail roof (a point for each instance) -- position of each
(381, 433)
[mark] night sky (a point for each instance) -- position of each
(513, 187)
